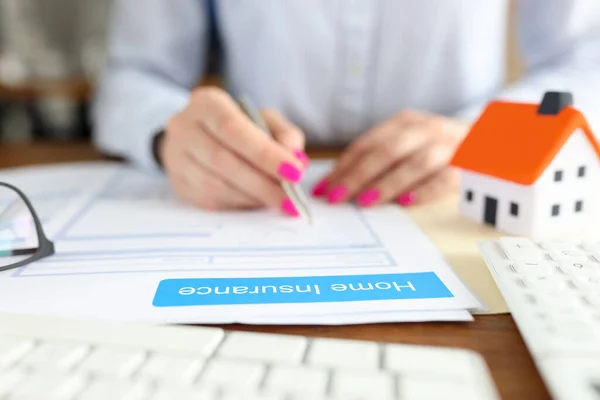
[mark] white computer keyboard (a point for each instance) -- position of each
(45, 358)
(553, 291)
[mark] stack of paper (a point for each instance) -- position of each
(128, 249)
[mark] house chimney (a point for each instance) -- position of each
(554, 102)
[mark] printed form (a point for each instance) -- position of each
(128, 249)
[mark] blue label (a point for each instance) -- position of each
(310, 289)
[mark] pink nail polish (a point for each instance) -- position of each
(288, 172)
(407, 199)
(320, 188)
(337, 194)
(367, 197)
(303, 157)
(288, 207)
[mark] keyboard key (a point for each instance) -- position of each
(239, 373)
(344, 354)
(263, 347)
(12, 350)
(242, 395)
(292, 379)
(521, 249)
(11, 379)
(105, 389)
(117, 362)
(171, 368)
(426, 361)
(367, 385)
(434, 388)
(56, 356)
(184, 393)
(50, 386)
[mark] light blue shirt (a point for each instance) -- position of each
(338, 67)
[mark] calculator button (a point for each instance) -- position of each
(593, 246)
(511, 268)
(521, 249)
(569, 256)
(589, 275)
(574, 329)
(557, 305)
(575, 267)
(534, 269)
(557, 245)
(547, 284)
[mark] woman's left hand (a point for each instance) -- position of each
(405, 159)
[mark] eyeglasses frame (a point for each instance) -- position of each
(45, 246)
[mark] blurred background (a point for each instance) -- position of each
(51, 53)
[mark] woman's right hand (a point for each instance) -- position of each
(217, 159)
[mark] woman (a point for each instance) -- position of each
(396, 81)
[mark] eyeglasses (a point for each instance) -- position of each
(22, 239)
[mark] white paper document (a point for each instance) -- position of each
(128, 249)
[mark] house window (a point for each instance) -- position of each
(578, 206)
(514, 209)
(555, 210)
(469, 196)
(558, 176)
(581, 172)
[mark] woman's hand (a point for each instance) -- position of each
(217, 159)
(405, 160)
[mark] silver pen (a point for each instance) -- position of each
(293, 191)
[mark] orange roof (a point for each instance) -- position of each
(511, 141)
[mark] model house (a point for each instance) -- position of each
(530, 169)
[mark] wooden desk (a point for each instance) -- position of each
(494, 336)
(75, 89)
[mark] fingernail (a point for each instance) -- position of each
(337, 194)
(289, 172)
(288, 207)
(367, 197)
(407, 199)
(303, 157)
(320, 188)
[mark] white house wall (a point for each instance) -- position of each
(575, 153)
(505, 192)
